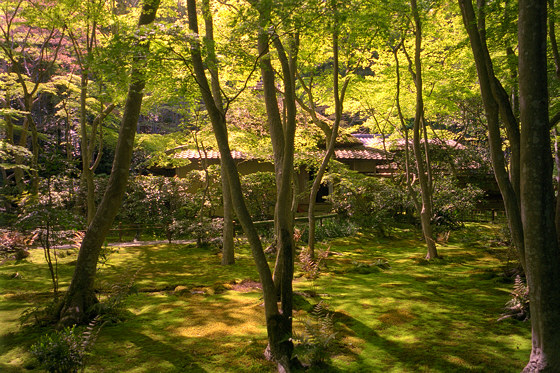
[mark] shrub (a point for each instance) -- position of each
(366, 201)
(59, 352)
(259, 189)
(330, 228)
(453, 203)
(66, 350)
(14, 245)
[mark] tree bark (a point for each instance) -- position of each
(80, 295)
(283, 134)
(228, 253)
(537, 195)
(278, 333)
(419, 125)
(330, 135)
(487, 79)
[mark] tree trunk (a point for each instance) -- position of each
(81, 296)
(330, 140)
(419, 125)
(228, 256)
(228, 253)
(491, 103)
(537, 195)
(87, 174)
(284, 164)
(277, 327)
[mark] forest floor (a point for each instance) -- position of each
(391, 310)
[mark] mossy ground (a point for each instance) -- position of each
(193, 315)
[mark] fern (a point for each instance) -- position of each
(311, 267)
(314, 344)
(112, 309)
(518, 306)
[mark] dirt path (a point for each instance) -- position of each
(135, 243)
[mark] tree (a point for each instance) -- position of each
(84, 45)
(542, 254)
(496, 106)
(278, 324)
(81, 295)
(228, 254)
(27, 47)
(424, 169)
(528, 194)
(330, 133)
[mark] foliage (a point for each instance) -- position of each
(207, 232)
(59, 352)
(453, 203)
(259, 190)
(331, 228)
(314, 344)
(112, 308)
(66, 350)
(309, 266)
(14, 245)
(50, 220)
(367, 201)
(161, 201)
(518, 306)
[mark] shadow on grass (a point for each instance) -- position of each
(166, 352)
(419, 354)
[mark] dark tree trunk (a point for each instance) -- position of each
(228, 254)
(492, 102)
(537, 194)
(282, 135)
(80, 295)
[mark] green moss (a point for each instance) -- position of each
(193, 315)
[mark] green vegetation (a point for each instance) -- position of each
(192, 315)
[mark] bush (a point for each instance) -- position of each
(14, 245)
(259, 190)
(366, 201)
(59, 352)
(453, 203)
(330, 228)
(66, 350)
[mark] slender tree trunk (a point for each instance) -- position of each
(408, 179)
(283, 211)
(419, 125)
(491, 103)
(330, 140)
(557, 163)
(537, 195)
(277, 330)
(228, 254)
(87, 174)
(80, 295)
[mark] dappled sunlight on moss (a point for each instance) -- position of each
(193, 315)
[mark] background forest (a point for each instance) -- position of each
(138, 120)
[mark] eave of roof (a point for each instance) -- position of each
(209, 154)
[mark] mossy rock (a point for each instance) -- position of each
(181, 290)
